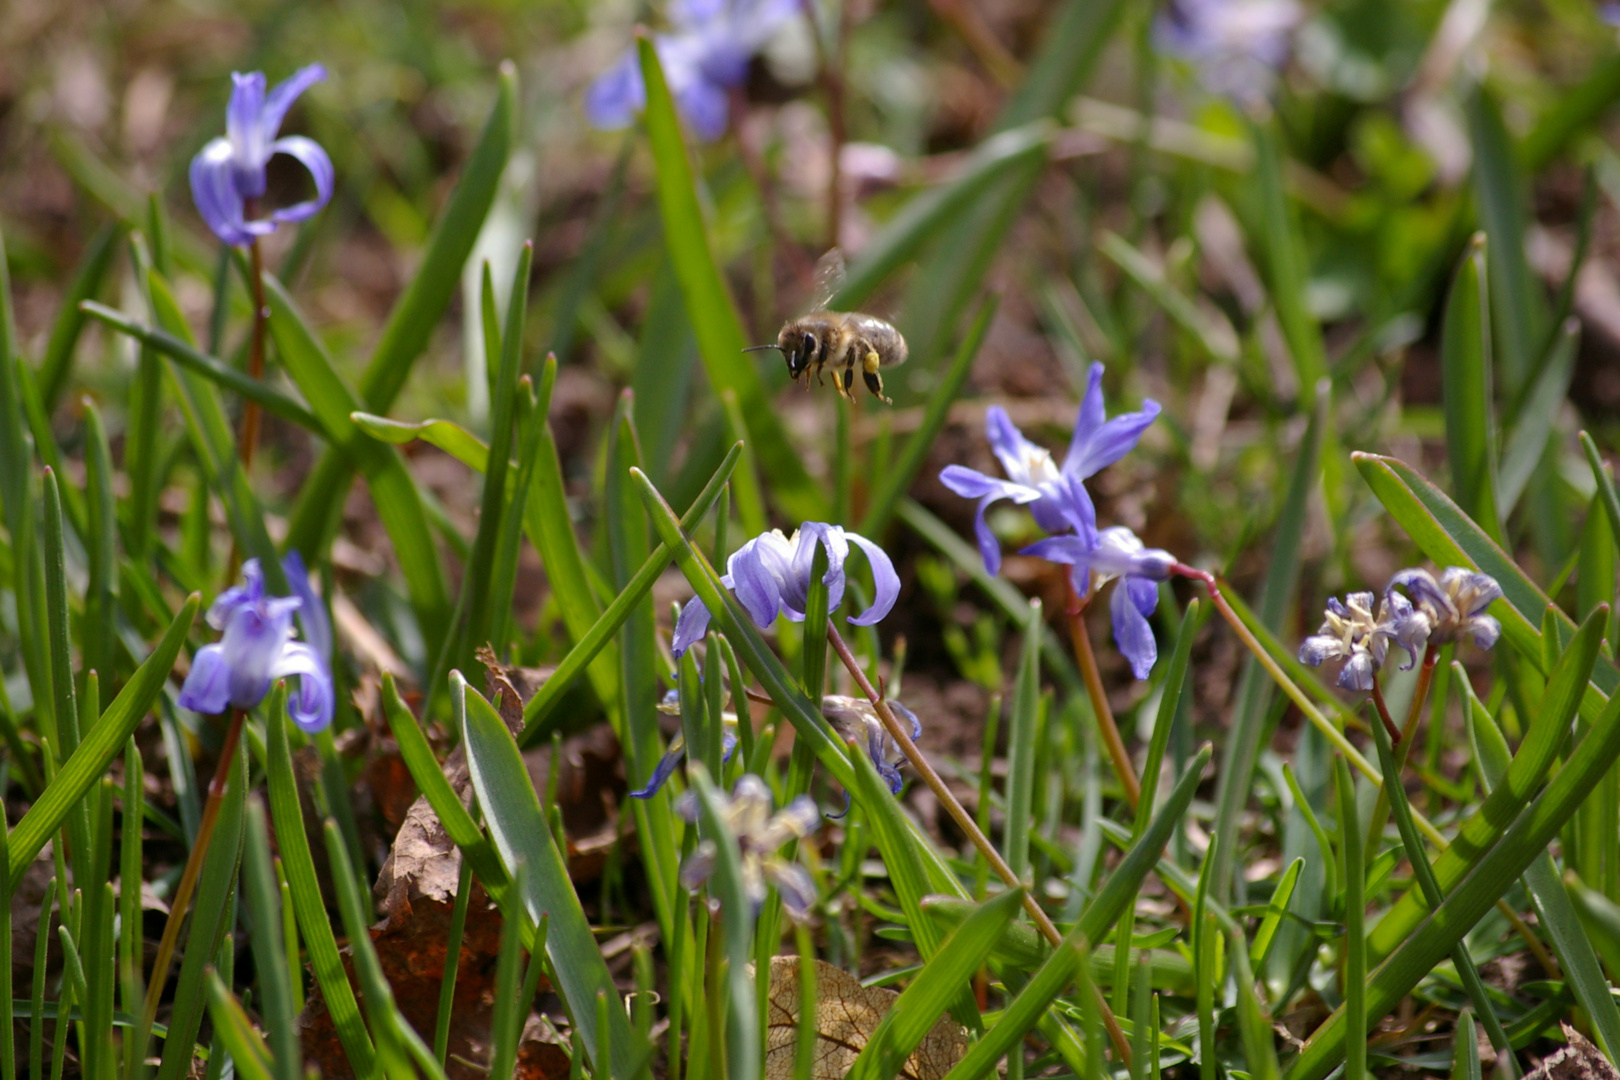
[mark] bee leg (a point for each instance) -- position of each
(848, 381)
(874, 381)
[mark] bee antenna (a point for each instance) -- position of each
(761, 348)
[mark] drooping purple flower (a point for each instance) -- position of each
(255, 650)
(1115, 552)
(230, 170)
(770, 576)
(857, 718)
(1055, 496)
(1351, 634)
(1446, 610)
(705, 54)
(1237, 46)
(760, 836)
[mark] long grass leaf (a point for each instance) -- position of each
(1465, 367)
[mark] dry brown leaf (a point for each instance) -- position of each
(846, 1015)
(1580, 1060)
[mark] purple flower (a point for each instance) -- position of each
(231, 170)
(1445, 610)
(1236, 45)
(857, 718)
(1116, 552)
(704, 56)
(759, 834)
(255, 650)
(1351, 634)
(770, 576)
(1054, 496)
(671, 705)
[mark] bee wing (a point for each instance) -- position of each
(827, 279)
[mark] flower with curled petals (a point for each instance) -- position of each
(1352, 634)
(760, 836)
(230, 170)
(1446, 610)
(1236, 46)
(703, 57)
(1115, 552)
(770, 576)
(856, 718)
(1055, 495)
(255, 650)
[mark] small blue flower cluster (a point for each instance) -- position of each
(1236, 46)
(1430, 612)
(1058, 499)
(760, 836)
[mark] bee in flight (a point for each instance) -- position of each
(841, 340)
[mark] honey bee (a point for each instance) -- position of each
(841, 340)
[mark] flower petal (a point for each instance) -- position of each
(972, 484)
(312, 615)
(757, 585)
(310, 155)
(213, 189)
(1358, 671)
(690, 627)
(1485, 629)
(1009, 445)
(705, 107)
(244, 130)
(1109, 442)
(207, 686)
(617, 95)
(885, 582)
(794, 884)
(280, 99)
(311, 709)
(1316, 650)
(666, 766)
(1132, 633)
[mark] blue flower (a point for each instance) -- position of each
(1445, 610)
(760, 834)
(858, 719)
(231, 170)
(1352, 634)
(704, 56)
(255, 650)
(1116, 552)
(1054, 496)
(1237, 46)
(677, 746)
(770, 576)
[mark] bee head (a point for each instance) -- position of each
(798, 347)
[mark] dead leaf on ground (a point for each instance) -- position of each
(1580, 1060)
(846, 1015)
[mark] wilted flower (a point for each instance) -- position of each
(1115, 552)
(1237, 45)
(857, 718)
(671, 705)
(770, 575)
(704, 56)
(1055, 496)
(230, 170)
(1445, 610)
(256, 649)
(760, 834)
(1352, 634)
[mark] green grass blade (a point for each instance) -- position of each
(89, 763)
(1483, 829)
(1526, 443)
(587, 646)
(101, 548)
(943, 978)
(897, 478)
(522, 836)
(1022, 731)
(313, 921)
(233, 1028)
(393, 491)
(1100, 914)
(1465, 367)
(1286, 265)
(1466, 1062)
(447, 435)
(275, 998)
(743, 1043)
(194, 359)
(216, 887)
(1554, 908)
(719, 329)
(1254, 1026)
(1355, 920)
(1473, 896)
(508, 545)
(1266, 932)
(55, 367)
